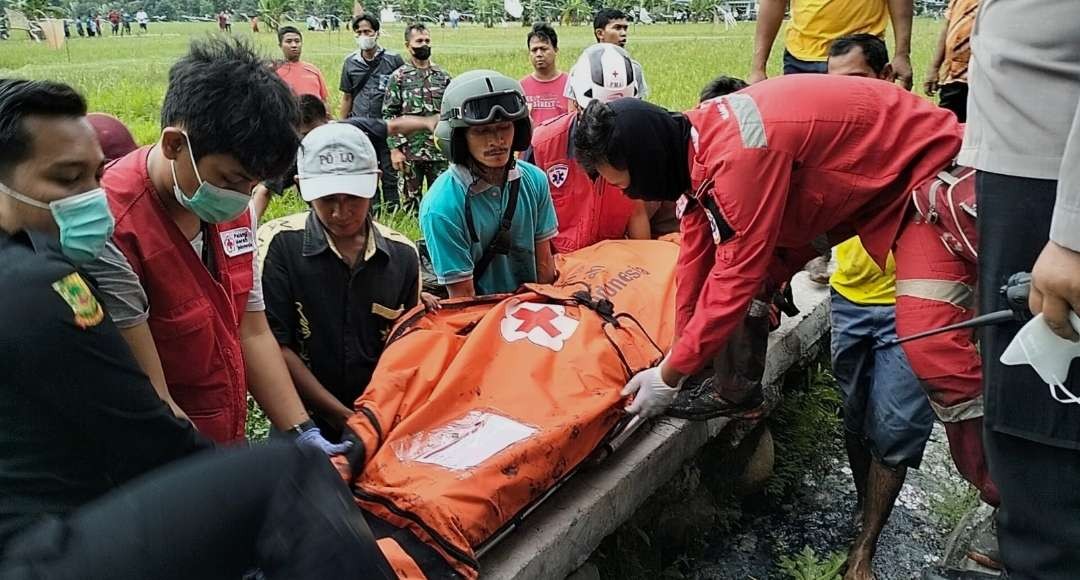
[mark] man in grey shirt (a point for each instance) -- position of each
(364, 76)
(1023, 137)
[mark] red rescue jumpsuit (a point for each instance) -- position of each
(936, 275)
(785, 161)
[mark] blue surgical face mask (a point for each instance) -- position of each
(84, 220)
(211, 203)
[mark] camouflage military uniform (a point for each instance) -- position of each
(416, 91)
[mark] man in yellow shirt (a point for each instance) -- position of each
(815, 24)
(887, 417)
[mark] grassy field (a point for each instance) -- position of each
(127, 76)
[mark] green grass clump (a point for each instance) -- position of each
(807, 565)
(952, 502)
(806, 429)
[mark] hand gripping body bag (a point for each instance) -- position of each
(479, 411)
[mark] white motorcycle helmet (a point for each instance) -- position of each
(604, 72)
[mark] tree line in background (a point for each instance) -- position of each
(274, 11)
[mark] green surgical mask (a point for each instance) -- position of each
(84, 220)
(211, 203)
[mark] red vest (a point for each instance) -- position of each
(588, 211)
(194, 315)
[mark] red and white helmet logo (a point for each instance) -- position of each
(545, 325)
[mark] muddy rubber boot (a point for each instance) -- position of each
(702, 402)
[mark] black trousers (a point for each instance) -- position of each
(1027, 432)
(953, 97)
(219, 514)
(1039, 519)
(388, 183)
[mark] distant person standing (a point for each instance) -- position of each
(143, 19)
(91, 26)
(416, 89)
(302, 77)
(365, 75)
(455, 17)
(221, 21)
(815, 25)
(254, 24)
(948, 71)
(612, 26)
(228, 21)
(114, 20)
(312, 22)
(546, 86)
(126, 31)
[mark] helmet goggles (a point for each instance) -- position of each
(489, 108)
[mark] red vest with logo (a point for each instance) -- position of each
(194, 314)
(588, 211)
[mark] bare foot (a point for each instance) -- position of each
(859, 566)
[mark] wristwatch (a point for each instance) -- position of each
(299, 429)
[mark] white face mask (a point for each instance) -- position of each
(1047, 353)
(367, 42)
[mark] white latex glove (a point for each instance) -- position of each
(653, 395)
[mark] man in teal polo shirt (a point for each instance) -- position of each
(488, 220)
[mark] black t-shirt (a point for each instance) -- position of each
(366, 81)
(78, 416)
(333, 317)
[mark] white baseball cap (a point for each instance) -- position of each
(337, 158)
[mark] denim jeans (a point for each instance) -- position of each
(883, 400)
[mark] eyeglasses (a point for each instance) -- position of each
(484, 109)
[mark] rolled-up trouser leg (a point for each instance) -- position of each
(738, 369)
(935, 288)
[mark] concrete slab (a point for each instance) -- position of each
(560, 535)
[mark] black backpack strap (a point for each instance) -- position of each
(372, 66)
(502, 242)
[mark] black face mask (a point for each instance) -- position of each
(655, 143)
(421, 52)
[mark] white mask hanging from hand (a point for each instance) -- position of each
(1046, 352)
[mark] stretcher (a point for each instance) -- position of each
(479, 412)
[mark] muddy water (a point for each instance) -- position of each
(820, 516)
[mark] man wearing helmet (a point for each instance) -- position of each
(488, 220)
(589, 210)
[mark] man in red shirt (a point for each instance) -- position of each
(545, 88)
(765, 172)
(302, 77)
(589, 210)
(114, 19)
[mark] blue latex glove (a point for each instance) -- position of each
(313, 438)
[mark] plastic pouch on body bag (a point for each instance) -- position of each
(1049, 354)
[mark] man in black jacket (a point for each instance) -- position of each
(85, 439)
